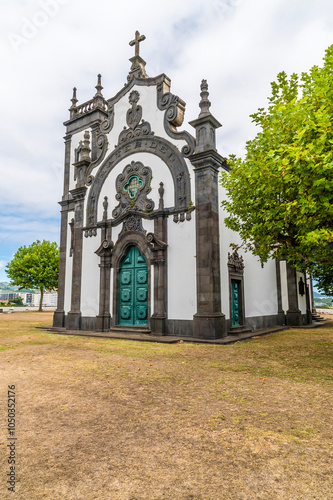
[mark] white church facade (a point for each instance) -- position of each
(143, 242)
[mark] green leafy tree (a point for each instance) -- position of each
(280, 197)
(17, 301)
(35, 266)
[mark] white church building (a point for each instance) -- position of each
(143, 243)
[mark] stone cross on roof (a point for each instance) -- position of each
(138, 38)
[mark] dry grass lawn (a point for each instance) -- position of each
(123, 420)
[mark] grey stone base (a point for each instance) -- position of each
(217, 328)
(59, 319)
(179, 327)
(103, 322)
(294, 318)
(260, 322)
(209, 326)
(167, 339)
(73, 321)
(281, 318)
(158, 325)
(88, 323)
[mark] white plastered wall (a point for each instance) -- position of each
(260, 288)
(69, 267)
(284, 286)
(90, 276)
(181, 269)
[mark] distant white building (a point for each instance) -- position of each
(26, 298)
(50, 299)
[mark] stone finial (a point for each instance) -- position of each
(74, 100)
(73, 107)
(99, 87)
(161, 193)
(85, 150)
(205, 124)
(105, 207)
(138, 68)
(204, 103)
(138, 38)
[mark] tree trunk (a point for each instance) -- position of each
(41, 300)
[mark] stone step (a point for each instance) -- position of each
(129, 329)
(237, 330)
(317, 317)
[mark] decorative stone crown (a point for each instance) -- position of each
(235, 261)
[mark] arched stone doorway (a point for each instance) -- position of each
(133, 289)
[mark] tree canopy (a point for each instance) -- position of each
(35, 266)
(280, 197)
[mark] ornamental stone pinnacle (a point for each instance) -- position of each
(205, 124)
(74, 100)
(99, 87)
(73, 107)
(204, 103)
(85, 151)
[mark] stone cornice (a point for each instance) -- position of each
(78, 193)
(204, 119)
(208, 159)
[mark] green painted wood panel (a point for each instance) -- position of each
(133, 289)
(235, 302)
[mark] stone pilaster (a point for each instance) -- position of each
(159, 317)
(313, 309)
(307, 296)
(103, 319)
(68, 143)
(294, 315)
(209, 322)
(59, 314)
(281, 315)
(74, 315)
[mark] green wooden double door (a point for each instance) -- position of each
(133, 289)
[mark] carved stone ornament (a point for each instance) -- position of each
(153, 145)
(173, 106)
(105, 248)
(173, 117)
(133, 118)
(90, 232)
(133, 186)
(154, 243)
(132, 223)
(235, 262)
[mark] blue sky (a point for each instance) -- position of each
(49, 46)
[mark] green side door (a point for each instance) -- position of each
(133, 289)
(235, 302)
